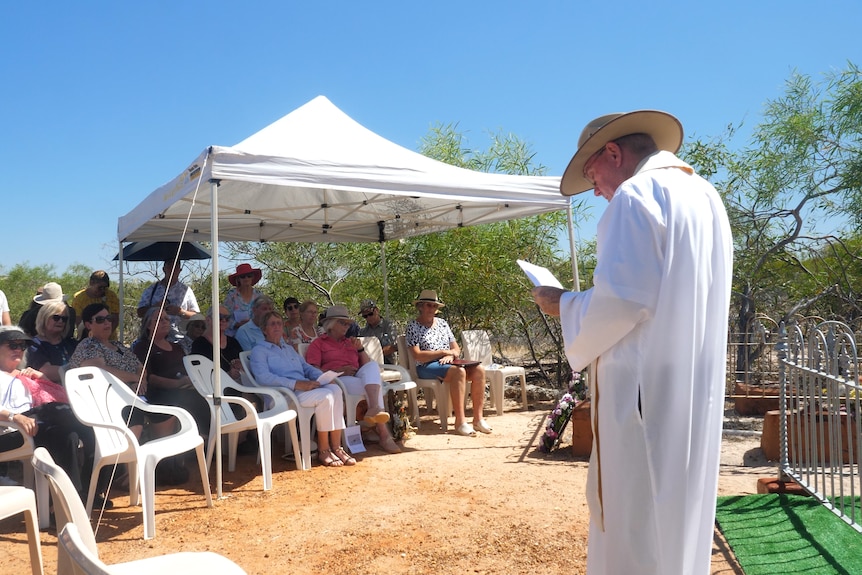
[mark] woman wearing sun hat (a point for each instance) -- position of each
(433, 345)
(239, 300)
(335, 351)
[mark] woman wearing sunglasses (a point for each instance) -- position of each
(53, 345)
(292, 317)
(98, 350)
(240, 298)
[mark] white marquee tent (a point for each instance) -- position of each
(316, 175)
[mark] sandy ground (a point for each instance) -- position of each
(446, 505)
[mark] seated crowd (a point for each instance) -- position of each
(291, 350)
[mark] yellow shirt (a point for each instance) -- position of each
(82, 300)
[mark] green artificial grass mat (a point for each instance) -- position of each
(779, 533)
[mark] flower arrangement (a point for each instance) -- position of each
(401, 427)
(562, 412)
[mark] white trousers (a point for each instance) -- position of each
(368, 374)
(328, 404)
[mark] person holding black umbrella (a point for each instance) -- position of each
(180, 301)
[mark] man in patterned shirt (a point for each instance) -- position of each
(181, 303)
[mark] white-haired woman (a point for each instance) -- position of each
(53, 345)
(361, 375)
(275, 363)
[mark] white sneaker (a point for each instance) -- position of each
(465, 429)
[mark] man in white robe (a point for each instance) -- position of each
(655, 321)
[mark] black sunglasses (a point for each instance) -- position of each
(369, 314)
(100, 319)
(18, 345)
(243, 276)
(291, 306)
(223, 317)
(60, 318)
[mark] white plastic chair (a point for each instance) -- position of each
(435, 389)
(201, 372)
(477, 346)
(78, 554)
(98, 399)
(23, 454)
(304, 414)
(15, 500)
(395, 377)
(350, 401)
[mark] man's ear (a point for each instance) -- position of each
(615, 153)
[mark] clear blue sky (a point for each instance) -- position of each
(102, 102)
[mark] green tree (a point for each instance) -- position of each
(794, 197)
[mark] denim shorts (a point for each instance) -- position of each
(433, 370)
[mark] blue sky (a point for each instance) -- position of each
(102, 102)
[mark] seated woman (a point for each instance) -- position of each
(276, 364)
(240, 298)
(229, 350)
(433, 346)
(45, 415)
(291, 317)
(97, 350)
(195, 327)
(167, 380)
(53, 345)
(307, 330)
(335, 351)
(229, 346)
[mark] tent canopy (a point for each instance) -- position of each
(316, 175)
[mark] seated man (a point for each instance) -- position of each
(378, 327)
(250, 333)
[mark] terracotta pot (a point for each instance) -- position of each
(769, 439)
(582, 431)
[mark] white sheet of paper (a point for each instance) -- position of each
(353, 435)
(328, 376)
(539, 276)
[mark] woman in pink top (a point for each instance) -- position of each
(361, 375)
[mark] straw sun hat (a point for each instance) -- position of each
(428, 295)
(665, 129)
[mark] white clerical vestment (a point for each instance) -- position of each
(656, 319)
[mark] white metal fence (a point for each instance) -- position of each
(820, 429)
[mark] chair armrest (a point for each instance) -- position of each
(277, 398)
(405, 375)
(27, 438)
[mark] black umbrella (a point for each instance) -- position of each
(163, 251)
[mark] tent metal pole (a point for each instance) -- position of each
(385, 279)
(573, 250)
(216, 335)
(121, 296)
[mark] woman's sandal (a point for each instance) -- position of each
(329, 459)
(343, 456)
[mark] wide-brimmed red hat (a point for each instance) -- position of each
(243, 269)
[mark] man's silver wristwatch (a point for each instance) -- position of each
(11, 416)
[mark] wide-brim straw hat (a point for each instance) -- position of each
(664, 128)
(337, 312)
(51, 292)
(429, 296)
(243, 269)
